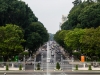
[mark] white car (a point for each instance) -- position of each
(30, 62)
(42, 49)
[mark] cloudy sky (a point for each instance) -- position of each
(50, 12)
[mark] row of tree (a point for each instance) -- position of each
(81, 32)
(15, 14)
(83, 41)
(83, 15)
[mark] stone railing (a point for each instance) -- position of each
(12, 65)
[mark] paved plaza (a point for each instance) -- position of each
(51, 73)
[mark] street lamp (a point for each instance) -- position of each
(30, 54)
(61, 58)
(34, 61)
(72, 62)
(13, 59)
(2, 59)
(61, 62)
(24, 62)
(42, 61)
(54, 57)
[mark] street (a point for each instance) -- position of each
(52, 73)
(54, 52)
(55, 56)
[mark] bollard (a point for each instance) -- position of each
(4, 73)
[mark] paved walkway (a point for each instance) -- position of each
(28, 71)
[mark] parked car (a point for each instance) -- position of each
(42, 49)
(29, 62)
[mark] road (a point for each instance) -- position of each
(50, 74)
(53, 73)
(55, 55)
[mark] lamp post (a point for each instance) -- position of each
(61, 62)
(42, 61)
(24, 62)
(72, 62)
(30, 54)
(2, 59)
(34, 61)
(13, 59)
(54, 57)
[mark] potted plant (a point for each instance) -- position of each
(7, 67)
(38, 66)
(76, 67)
(90, 68)
(57, 66)
(20, 67)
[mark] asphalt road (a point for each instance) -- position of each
(55, 55)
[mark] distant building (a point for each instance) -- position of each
(64, 19)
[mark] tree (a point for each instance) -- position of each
(72, 21)
(79, 16)
(33, 41)
(36, 35)
(10, 40)
(59, 37)
(65, 26)
(89, 17)
(72, 38)
(16, 12)
(98, 0)
(91, 43)
(57, 66)
(38, 66)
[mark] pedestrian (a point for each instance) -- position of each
(4, 73)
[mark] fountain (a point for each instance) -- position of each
(48, 57)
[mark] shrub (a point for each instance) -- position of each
(57, 66)
(7, 68)
(38, 66)
(90, 68)
(20, 67)
(76, 67)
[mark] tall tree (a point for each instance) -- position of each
(72, 39)
(91, 42)
(10, 40)
(89, 17)
(18, 13)
(38, 33)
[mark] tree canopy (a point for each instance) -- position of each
(81, 30)
(84, 41)
(37, 35)
(83, 15)
(16, 12)
(11, 38)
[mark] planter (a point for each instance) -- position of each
(58, 69)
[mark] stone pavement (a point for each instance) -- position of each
(26, 71)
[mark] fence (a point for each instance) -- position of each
(12, 65)
(85, 65)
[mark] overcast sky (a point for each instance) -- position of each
(50, 12)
